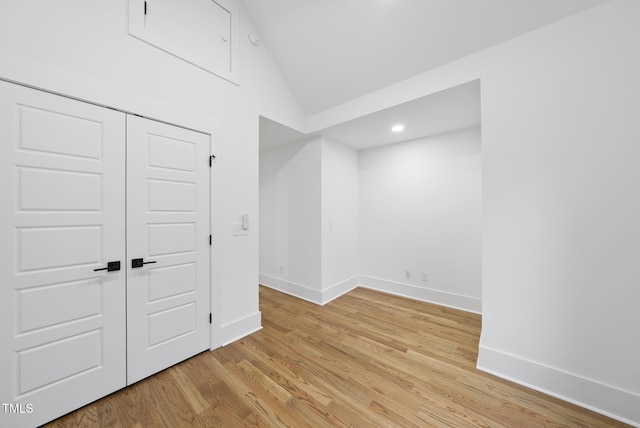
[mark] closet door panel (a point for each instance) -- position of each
(62, 324)
(168, 230)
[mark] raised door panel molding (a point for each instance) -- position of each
(202, 32)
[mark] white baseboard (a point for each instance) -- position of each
(291, 288)
(443, 298)
(457, 301)
(605, 399)
(319, 297)
(339, 289)
(240, 328)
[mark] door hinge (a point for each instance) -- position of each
(210, 318)
(210, 240)
(145, 8)
(211, 158)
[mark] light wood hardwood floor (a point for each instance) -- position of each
(367, 359)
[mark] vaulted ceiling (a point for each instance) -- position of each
(333, 51)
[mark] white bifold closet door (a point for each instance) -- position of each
(80, 200)
(62, 186)
(168, 235)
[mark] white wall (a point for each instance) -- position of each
(333, 218)
(562, 198)
(82, 49)
(309, 219)
(339, 219)
(561, 186)
(290, 199)
(420, 211)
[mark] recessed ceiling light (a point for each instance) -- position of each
(398, 128)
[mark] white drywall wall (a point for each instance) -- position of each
(420, 212)
(290, 241)
(339, 218)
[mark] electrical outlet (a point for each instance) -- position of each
(281, 269)
(407, 274)
(425, 276)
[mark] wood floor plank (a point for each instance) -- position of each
(86, 417)
(366, 359)
(189, 389)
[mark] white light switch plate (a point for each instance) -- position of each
(238, 230)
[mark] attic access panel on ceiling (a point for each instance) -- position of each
(201, 32)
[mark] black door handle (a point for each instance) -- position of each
(111, 266)
(137, 263)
